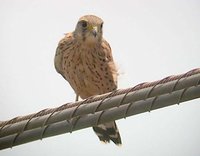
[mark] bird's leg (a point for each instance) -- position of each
(77, 97)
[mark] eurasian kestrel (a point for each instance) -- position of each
(84, 58)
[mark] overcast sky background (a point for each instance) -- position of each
(150, 39)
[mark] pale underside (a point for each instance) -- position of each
(90, 69)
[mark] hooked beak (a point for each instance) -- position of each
(94, 30)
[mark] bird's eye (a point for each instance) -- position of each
(101, 25)
(84, 24)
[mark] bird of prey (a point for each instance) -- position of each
(84, 58)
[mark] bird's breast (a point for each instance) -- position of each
(88, 71)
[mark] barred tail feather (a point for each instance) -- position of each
(107, 132)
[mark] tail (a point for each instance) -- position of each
(107, 132)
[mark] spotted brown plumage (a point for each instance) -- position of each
(85, 60)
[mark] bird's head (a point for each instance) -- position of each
(89, 29)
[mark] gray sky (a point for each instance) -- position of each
(150, 39)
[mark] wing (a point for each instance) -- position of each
(63, 56)
(108, 55)
(107, 50)
(62, 46)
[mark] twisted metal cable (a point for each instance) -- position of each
(141, 86)
(100, 109)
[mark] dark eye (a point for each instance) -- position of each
(101, 25)
(84, 24)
